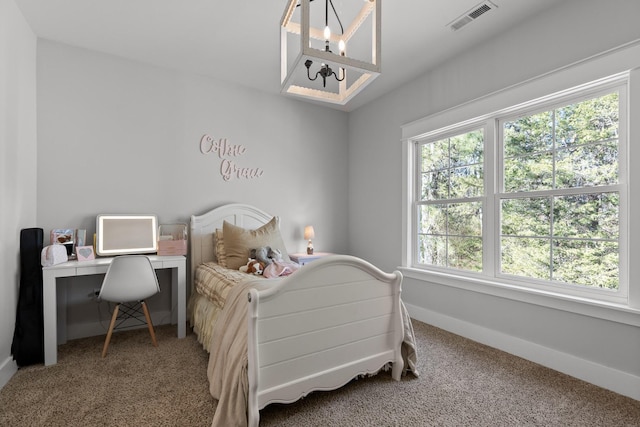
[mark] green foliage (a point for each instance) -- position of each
(527, 257)
(451, 233)
(567, 237)
(586, 262)
(528, 135)
(526, 217)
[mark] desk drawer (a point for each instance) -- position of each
(92, 269)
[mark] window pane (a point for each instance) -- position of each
(432, 250)
(528, 135)
(465, 253)
(526, 217)
(528, 257)
(435, 185)
(587, 165)
(588, 121)
(529, 173)
(585, 262)
(452, 167)
(467, 181)
(592, 216)
(467, 149)
(435, 155)
(465, 219)
(432, 219)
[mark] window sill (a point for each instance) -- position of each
(587, 307)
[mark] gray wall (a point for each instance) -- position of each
(120, 136)
(17, 163)
(573, 31)
(117, 136)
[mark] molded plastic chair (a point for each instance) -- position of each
(130, 279)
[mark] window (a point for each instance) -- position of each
(559, 207)
(530, 195)
(450, 202)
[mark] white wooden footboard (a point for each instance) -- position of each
(334, 319)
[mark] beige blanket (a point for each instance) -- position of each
(228, 360)
(214, 282)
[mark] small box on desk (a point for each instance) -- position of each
(172, 239)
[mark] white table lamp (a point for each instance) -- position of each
(309, 234)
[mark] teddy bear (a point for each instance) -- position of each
(253, 266)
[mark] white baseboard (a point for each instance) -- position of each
(7, 369)
(600, 375)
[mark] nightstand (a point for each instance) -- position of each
(302, 258)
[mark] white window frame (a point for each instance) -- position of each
(610, 68)
(617, 83)
(435, 136)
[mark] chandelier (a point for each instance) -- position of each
(323, 60)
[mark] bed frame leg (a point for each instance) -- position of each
(396, 369)
(254, 417)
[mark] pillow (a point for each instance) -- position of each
(238, 241)
(221, 254)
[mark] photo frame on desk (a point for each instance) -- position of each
(81, 237)
(85, 253)
(64, 236)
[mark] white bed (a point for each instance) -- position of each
(331, 321)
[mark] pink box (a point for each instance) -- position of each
(172, 247)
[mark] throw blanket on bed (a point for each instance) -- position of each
(214, 281)
(228, 359)
(280, 269)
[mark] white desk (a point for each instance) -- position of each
(50, 300)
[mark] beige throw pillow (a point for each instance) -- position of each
(221, 254)
(239, 241)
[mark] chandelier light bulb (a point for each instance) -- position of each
(341, 47)
(327, 33)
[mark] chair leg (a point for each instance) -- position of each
(111, 326)
(149, 324)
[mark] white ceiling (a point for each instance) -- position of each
(239, 40)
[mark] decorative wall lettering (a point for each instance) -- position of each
(228, 168)
(222, 146)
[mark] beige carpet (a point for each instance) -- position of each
(462, 383)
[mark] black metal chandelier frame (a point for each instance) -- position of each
(325, 70)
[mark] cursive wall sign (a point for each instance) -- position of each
(226, 152)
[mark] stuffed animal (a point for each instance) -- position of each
(245, 267)
(253, 267)
(274, 254)
(261, 254)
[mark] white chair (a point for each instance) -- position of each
(130, 279)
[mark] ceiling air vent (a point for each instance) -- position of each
(471, 15)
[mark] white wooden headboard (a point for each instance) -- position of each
(203, 227)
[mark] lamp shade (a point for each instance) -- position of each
(309, 233)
